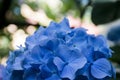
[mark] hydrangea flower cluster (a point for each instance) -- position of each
(59, 52)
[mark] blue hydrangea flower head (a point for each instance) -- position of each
(59, 52)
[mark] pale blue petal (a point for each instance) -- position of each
(78, 63)
(68, 72)
(59, 63)
(101, 68)
(18, 64)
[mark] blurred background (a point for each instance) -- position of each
(20, 18)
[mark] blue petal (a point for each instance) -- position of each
(106, 51)
(59, 63)
(81, 77)
(63, 52)
(11, 58)
(53, 25)
(45, 72)
(50, 44)
(68, 72)
(1, 71)
(52, 29)
(70, 69)
(88, 53)
(52, 66)
(84, 71)
(78, 63)
(32, 40)
(16, 76)
(100, 54)
(18, 63)
(38, 55)
(101, 68)
(54, 77)
(64, 24)
(60, 35)
(79, 38)
(113, 72)
(39, 32)
(30, 74)
(97, 41)
(67, 54)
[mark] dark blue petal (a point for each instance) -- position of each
(52, 66)
(50, 44)
(30, 74)
(60, 35)
(101, 68)
(106, 51)
(81, 77)
(16, 76)
(54, 77)
(45, 72)
(113, 72)
(88, 53)
(36, 53)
